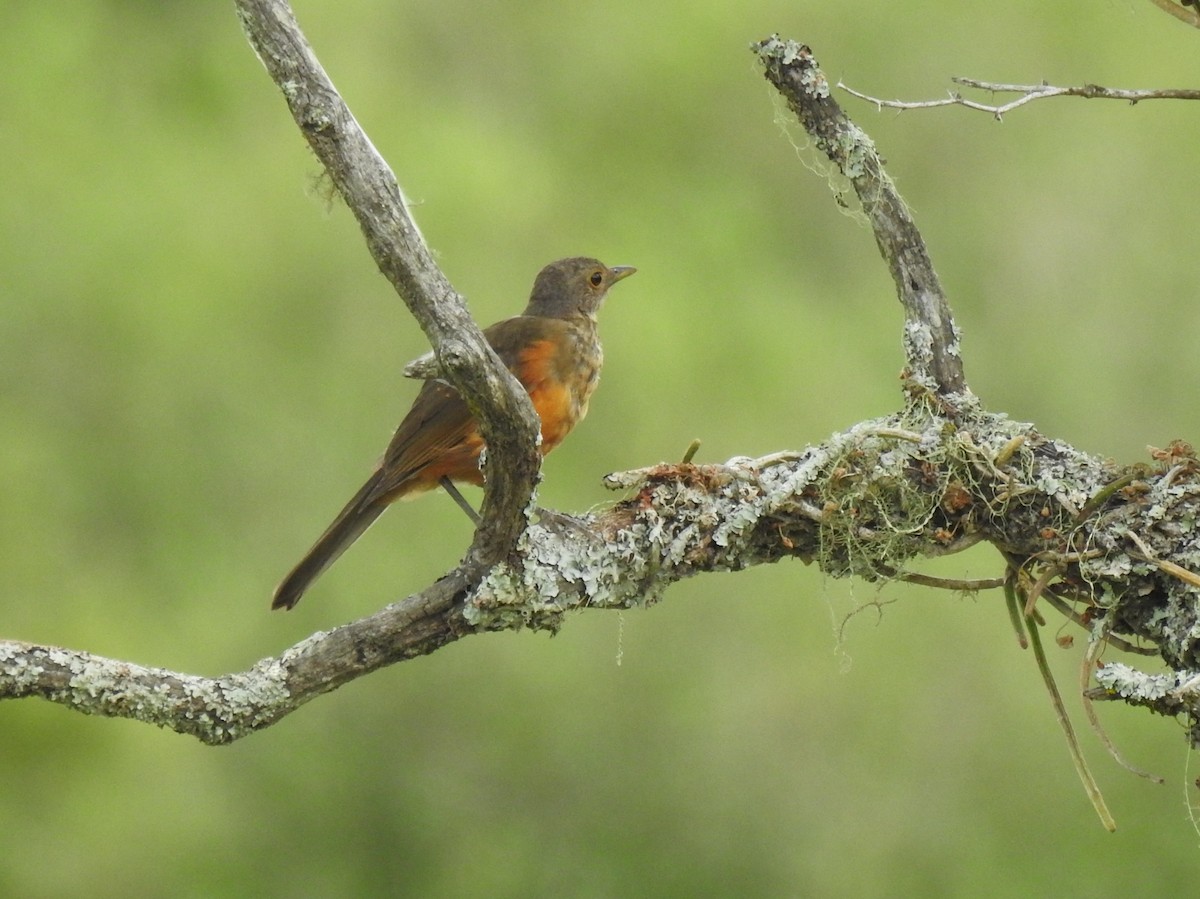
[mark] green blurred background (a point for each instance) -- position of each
(199, 364)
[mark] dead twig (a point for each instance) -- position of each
(1028, 92)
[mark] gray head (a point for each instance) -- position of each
(575, 286)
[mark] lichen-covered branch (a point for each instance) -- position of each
(867, 502)
(931, 340)
(222, 709)
(1114, 549)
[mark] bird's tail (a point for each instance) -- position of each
(360, 513)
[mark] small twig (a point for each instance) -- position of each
(1029, 92)
(1067, 558)
(986, 464)
(773, 459)
(1087, 91)
(958, 545)
(1007, 451)
(1185, 575)
(1173, 472)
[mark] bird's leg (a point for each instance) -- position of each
(546, 517)
(449, 487)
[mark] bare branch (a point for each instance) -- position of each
(1029, 92)
(931, 340)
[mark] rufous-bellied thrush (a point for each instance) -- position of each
(553, 349)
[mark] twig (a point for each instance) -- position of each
(1102, 496)
(1184, 574)
(1029, 92)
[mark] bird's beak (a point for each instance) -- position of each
(621, 271)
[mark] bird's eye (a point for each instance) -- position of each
(596, 278)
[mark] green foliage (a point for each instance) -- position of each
(198, 365)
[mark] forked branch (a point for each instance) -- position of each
(1107, 544)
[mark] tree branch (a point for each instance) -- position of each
(222, 709)
(364, 181)
(866, 502)
(1110, 547)
(931, 340)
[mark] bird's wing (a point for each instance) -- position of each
(438, 422)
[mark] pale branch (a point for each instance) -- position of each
(931, 340)
(883, 501)
(1029, 93)
(222, 709)
(1113, 549)
(371, 192)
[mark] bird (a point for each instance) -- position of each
(553, 349)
